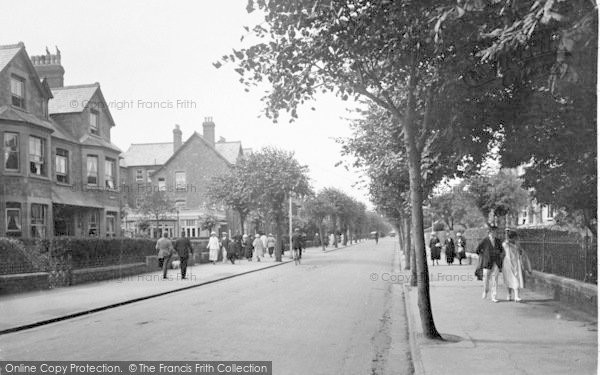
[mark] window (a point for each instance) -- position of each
(162, 186)
(94, 122)
(17, 91)
(139, 175)
(38, 220)
(149, 174)
(179, 180)
(93, 224)
(62, 166)
(37, 156)
(109, 173)
(550, 212)
(11, 151)
(13, 219)
(92, 170)
(110, 224)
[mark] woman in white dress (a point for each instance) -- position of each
(512, 270)
(213, 248)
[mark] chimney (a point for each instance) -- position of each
(176, 138)
(48, 66)
(208, 130)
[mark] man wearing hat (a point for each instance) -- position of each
(491, 255)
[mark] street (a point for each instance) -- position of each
(324, 316)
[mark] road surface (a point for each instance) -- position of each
(325, 316)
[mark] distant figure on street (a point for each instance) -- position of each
(234, 248)
(513, 265)
(376, 238)
(259, 249)
(247, 245)
(491, 256)
(213, 247)
(271, 242)
(224, 246)
(449, 248)
(461, 247)
(263, 238)
(184, 249)
(435, 249)
(165, 251)
(297, 242)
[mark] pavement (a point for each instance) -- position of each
(536, 336)
(32, 309)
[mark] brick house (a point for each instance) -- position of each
(59, 170)
(183, 170)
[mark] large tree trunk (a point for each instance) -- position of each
(242, 219)
(416, 200)
(334, 220)
(411, 250)
(321, 235)
(279, 233)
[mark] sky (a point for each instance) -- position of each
(153, 60)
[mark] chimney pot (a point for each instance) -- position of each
(177, 140)
(208, 130)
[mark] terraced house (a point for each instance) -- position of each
(59, 170)
(183, 170)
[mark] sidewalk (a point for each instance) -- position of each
(537, 336)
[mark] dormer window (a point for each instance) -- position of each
(94, 122)
(17, 91)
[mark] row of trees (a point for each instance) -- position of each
(444, 81)
(259, 186)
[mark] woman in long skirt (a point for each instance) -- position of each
(213, 248)
(512, 266)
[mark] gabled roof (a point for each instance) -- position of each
(187, 143)
(71, 99)
(229, 150)
(147, 154)
(7, 53)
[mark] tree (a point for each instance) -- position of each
(233, 191)
(318, 208)
(271, 176)
(208, 222)
(387, 52)
(157, 205)
(499, 195)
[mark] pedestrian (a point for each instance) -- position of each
(435, 249)
(184, 249)
(491, 255)
(213, 247)
(297, 242)
(449, 248)
(224, 246)
(247, 246)
(376, 238)
(263, 238)
(165, 251)
(259, 249)
(271, 244)
(512, 266)
(233, 249)
(461, 246)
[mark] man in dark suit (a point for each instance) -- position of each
(491, 255)
(183, 247)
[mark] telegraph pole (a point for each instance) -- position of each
(290, 227)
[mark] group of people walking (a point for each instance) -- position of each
(450, 249)
(507, 257)
(494, 257)
(240, 247)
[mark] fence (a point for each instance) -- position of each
(561, 253)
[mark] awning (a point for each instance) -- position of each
(73, 197)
